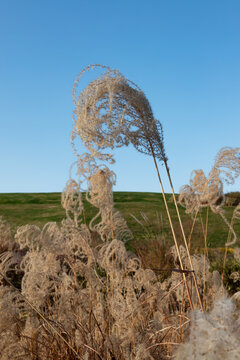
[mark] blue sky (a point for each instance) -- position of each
(185, 56)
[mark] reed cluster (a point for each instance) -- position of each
(73, 291)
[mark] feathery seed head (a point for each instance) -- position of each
(228, 163)
(208, 191)
(204, 192)
(112, 112)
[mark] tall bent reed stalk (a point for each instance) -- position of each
(111, 112)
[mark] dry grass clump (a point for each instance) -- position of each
(78, 298)
(207, 192)
(100, 300)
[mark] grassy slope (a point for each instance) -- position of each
(21, 209)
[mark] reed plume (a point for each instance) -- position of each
(213, 335)
(208, 191)
(111, 112)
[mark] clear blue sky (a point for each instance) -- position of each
(185, 55)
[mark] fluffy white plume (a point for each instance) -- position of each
(214, 335)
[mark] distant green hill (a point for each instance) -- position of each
(39, 208)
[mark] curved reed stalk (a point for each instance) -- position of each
(173, 232)
(235, 215)
(184, 236)
(111, 112)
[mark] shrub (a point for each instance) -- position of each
(232, 198)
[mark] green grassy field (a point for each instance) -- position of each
(39, 208)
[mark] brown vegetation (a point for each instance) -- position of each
(73, 291)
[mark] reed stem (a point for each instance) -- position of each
(171, 225)
(226, 247)
(183, 233)
(191, 231)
